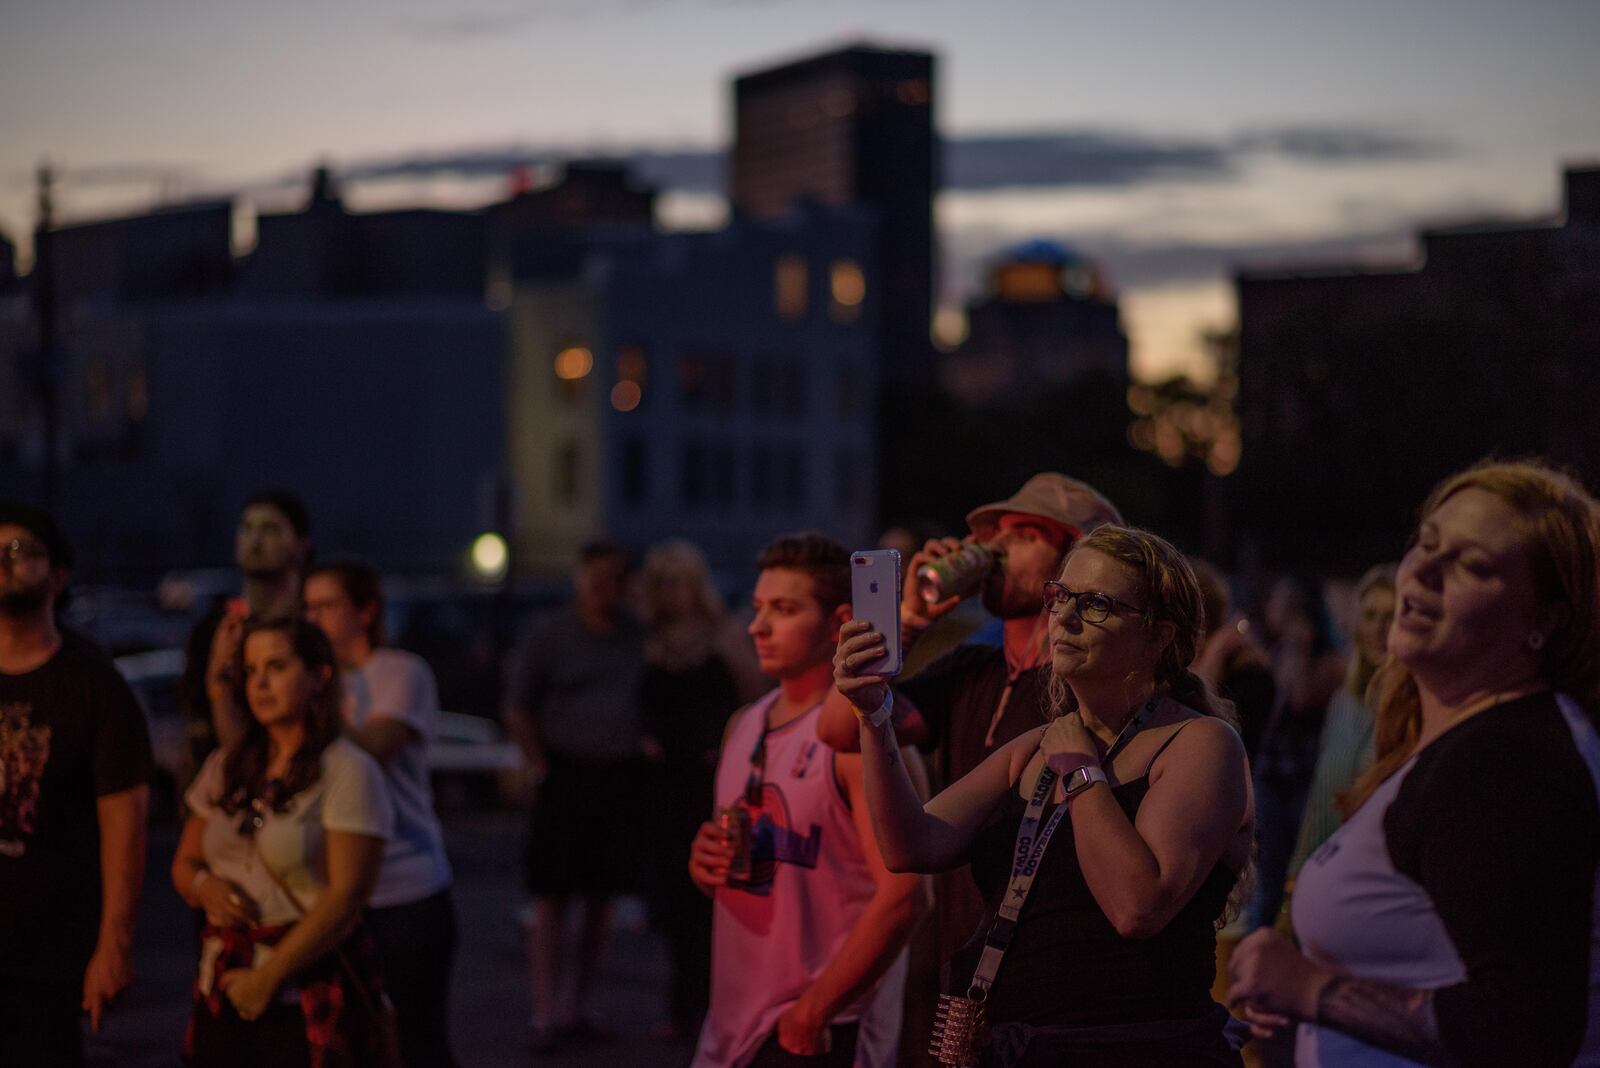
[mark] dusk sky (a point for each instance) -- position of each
(1173, 141)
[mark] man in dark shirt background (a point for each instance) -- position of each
(574, 710)
(74, 772)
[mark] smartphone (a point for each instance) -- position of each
(875, 597)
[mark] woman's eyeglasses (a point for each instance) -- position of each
(1092, 607)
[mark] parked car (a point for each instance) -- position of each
(470, 759)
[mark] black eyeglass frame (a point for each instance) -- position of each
(1057, 594)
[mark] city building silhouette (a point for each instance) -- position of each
(852, 126)
(1360, 388)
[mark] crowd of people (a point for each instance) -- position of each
(1380, 810)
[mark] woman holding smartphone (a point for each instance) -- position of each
(1131, 811)
(281, 850)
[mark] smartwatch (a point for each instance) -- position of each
(1080, 779)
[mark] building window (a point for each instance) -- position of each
(763, 388)
(635, 471)
(724, 473)
(572, 365)
(847, 479)
(706, 381)
(848, 287)
(762, 475)
(568, 473)
(97, 391)
(628, 394)
(789, 284)
(138, 392)
(847, 392)
(792, 478)
(692, 473)
(792, 391)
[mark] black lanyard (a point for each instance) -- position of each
(1031, 843)
(758, 757)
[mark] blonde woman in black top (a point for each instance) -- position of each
(1111, 958)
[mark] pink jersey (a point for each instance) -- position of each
(774, 934)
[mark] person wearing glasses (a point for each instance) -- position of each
(281, 851)
(1137, 789)
(1450, 919)
(979, 696)
(74, 772)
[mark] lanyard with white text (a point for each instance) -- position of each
(1031, 843)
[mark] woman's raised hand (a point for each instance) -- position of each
(860, 644)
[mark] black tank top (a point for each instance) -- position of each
(1067, 965)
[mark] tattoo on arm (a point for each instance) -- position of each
(890, 743)
(1390, 1017)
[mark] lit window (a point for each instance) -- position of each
(914, 91)
(625, 396)
(789, 286)
(631, 364)
(573, 362)
(849, 287)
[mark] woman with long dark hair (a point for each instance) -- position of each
(281, 850)
(1108, 843)
(1450, 919)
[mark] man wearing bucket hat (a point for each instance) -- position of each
(978, 697)
(74, 767)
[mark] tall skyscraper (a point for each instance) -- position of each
(853, 126)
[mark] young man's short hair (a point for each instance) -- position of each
(363, 585)
(288, 503)
(816, 555)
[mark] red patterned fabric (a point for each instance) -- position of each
(343, 1022)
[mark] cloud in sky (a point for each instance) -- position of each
(1026, 160)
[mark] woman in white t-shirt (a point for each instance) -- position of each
(391, 710)
(1450, 919)
(281, 850)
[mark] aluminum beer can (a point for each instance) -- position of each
(735, 820)
(956, 574)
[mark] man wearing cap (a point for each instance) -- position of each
(74, 771)
(978, 697)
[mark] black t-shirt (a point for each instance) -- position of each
(958, 695)
(70, 732)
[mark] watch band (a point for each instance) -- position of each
(1081, 778)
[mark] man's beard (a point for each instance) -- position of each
(24, 602)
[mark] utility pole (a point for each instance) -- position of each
(47, 365)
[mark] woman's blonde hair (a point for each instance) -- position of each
(673, 642)
(1359, 677)
(678, 559)
(1561, 526)
(1171, 594)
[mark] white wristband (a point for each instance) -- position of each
(879, 716)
